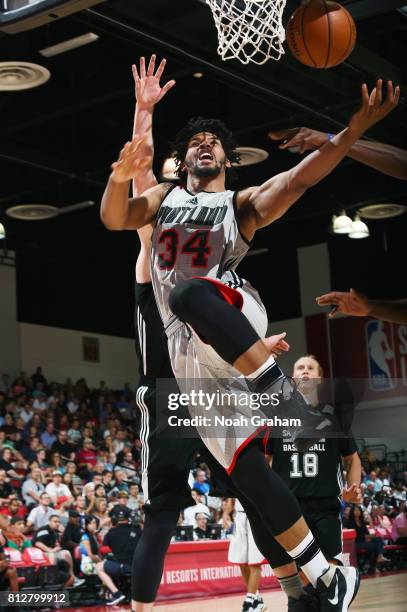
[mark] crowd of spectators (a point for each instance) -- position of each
(70, 473)
(381, 519)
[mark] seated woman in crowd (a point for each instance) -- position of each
(102, 514)
(365, 541)
(56, 463)
(89, 548)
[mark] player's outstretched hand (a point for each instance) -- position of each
(129, 162)
(148, 88)
(276, 344)
(299, 140)
(352, 494)
(374, 108)
(352, 303)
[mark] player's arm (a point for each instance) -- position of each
(385, 158)
(118, 211)
(260, 206)
(148, 92)
(355, 304)
(353, 468)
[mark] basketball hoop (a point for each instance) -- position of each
(249, 30)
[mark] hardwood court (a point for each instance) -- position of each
(381, 594)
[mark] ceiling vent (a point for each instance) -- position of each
(381, 211)
(15, 76)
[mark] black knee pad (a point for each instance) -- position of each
(187, 295)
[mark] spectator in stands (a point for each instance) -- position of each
(30, 452)
(8, 574)
(20, 542)
(121, 507)
(73, 405)
(86, 457)
(40, 404)
(102, 514)
(80, 506)
(6, 464)
(191, 511)
(56, 463)
(63, 447)
(48, 437)
(74, 432)
(72, 535)
(107, 481)
(27, 413)
(200, 531)
(119, 484)
(201, 485)
(122, 540)
(40, 515)
(41, 461)
(59, 493)
(364, 541)
(6, 490)
(135, 501)
(48, 539)
(38, 377)
(399, 529)
(89, 547)
(13, 509)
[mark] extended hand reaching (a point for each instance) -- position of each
(128, 164)
(148, 88)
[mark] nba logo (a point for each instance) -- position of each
(380, 355)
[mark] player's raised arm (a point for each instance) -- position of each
(262, 205)
(148, 92)
(117, 211)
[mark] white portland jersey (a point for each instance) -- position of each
(195, 235)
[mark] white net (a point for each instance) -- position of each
(249, 30)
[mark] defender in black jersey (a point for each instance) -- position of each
(315, 476)
(165, 461)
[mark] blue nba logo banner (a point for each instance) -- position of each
(380, 355)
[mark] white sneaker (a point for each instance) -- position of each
(337, 588)
(78, 581)
(116, 598)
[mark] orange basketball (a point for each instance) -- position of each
(321, 34)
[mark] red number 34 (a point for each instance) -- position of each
(197, 245)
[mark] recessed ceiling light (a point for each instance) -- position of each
(198, 75)
(382, 211)
(68, 45)
(250, 156)
(16, 76)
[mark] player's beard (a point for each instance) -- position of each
(206, 171)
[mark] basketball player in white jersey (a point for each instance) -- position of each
(165, 461)
(244, 552)
(214, 325)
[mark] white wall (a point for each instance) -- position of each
(9, 327)
(59, 352)
(296, 338)
(314, 274)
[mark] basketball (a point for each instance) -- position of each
(321, 34)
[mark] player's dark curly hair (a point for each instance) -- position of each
(214, 126)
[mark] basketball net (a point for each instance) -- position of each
(249, 30)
